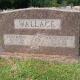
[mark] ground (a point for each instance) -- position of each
(45, 57)
(34, 69)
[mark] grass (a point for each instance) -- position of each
(15, 69)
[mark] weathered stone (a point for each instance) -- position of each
(40, 31)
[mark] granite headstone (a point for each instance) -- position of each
(40, 31)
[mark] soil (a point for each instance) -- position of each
(44, 57)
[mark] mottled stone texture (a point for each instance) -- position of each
(69, 27)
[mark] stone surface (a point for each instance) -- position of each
(40, 31)
(40, 40)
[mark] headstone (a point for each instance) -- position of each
(42, 31)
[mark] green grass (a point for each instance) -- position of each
(15, 69)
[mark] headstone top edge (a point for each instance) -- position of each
(51, 9)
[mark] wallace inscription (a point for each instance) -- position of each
(37, 24)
